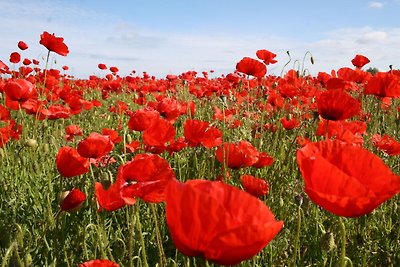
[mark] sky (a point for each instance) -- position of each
(172, 37)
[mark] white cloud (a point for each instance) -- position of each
(340, 46)
(376, 5)
(100, 38)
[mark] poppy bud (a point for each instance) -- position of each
(327, 242)
(128, 138)
(71, 201)
(312, 60)
(46, 148)
(28, 260)
(31, 143)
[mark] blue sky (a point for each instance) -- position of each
(163, 37)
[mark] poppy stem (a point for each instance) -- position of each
(342, 259)
(142, 243)
(45, 68)
(131, 218)
(297, 236)
(163, 259)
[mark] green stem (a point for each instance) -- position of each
(163, 259)
(342, 259)
(131, 222)
(45, 68)
(297, 237)
(142, 243)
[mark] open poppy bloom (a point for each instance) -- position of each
(95, 145)
(54, 44)
(199, 132)
(359, 61)
(159, 133)
(71, 131)
(102, 66)
(146, 177)
(266, 56)
(15, 57)
(110, 198)
(69, 163)
(387, 144)
(383, 84)
(251, 67)
(237, 155)
(72, 200)
(336, 105)
(22, 45)
(344, 179)
(99, 263)
(256, 186)
(19, 89)
(217, 221)
(142, 119)
(290, 123)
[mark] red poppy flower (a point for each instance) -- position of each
(15, 57)
(71, 131)
(3, 67)
(337, 105)
(55, 112)
(114, 69)
(251, 67)
(359, 61)
(199, 132)
(99, 263)
(177, 145)
(26, 61)
(159, 133)
(348, 131)
(72, 200)
(146, 177)
(255, 186)
(218, 221)
(11, 131)
(133, 146)
(290, 123)
(142, 119)
(102, 66)
(383, 84)
(70, 163)
(170, 109)
(233, 78)
(110, 198)
(237, 155)
(119, 108)
(266, 56)
(263, 160)
(114, 136)
(387, 144)
(4, 113)
(19, 89)
(22, 45)
(54, 44)
(95, 146)
(344, 179)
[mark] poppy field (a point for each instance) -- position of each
(244, 169)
